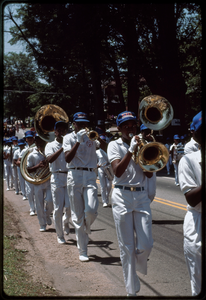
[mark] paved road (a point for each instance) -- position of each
(167, 272)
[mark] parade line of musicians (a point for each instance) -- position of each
(71, 192)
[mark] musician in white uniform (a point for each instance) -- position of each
(192, 145)
(174, 156)
(29, 137)
(56, 158)
(130, 203)
(81, 158)
(14, 167)
(190, 178)
(105, 179)
(7, 155)
(43, 196)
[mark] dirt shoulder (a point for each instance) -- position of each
(55, 266)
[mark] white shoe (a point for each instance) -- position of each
(177, 184)
(8, 189)
(83, 258)
(66, 228)
(48, 220)
(16, 193)
(105, 205)
(24, 198)
(61, 240)
(131, 295)
(32, 213)
(42, 228)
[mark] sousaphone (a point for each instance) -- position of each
(44, 122)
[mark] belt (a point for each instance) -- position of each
(130, 188)
(64, 172)
(82, 169)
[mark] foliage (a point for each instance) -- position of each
(77, 46)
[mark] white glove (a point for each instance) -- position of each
(133, 145)
(80, 135)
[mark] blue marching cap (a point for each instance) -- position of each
(14, 138)
(103, 137)
(59, 122)
(8, 141)
(176, 137)
(29, 133)
(192, 126)
(125, 116)
(80, 117)
(143, 127)
(21, 142)
(197, 121)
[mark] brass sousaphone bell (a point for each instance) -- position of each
(44, 122)
(156, 113)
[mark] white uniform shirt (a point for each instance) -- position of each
(8, 160)
(34, 158)
(191, 146)
(86, 153)
(190, 174)
(23, 151)
(17, 154)
(60, 163)
(133, 175)
(102, 157)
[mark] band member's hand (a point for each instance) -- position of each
(80, 135)
(42, 164)
(133, 144)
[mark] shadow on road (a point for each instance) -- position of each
(105, 260)
(163, 222)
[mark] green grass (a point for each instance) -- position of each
(17, 282)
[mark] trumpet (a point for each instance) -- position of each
(92, 135)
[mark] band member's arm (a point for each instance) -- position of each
(194, 196)
(51, 158)
(69, 155)
(41, 164)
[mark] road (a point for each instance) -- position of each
(167, 272)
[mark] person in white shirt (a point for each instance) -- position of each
(7, 155)
(105, 174)
(190, 179)
(81, 158)
(57, 164)
(14, 167)
(192, 145)
(175, 158)
(130, 203)
(29, 137)
(169, 163)
(36, 160)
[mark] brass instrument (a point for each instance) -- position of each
(45, 119)
(156, 113)
(92, 135)
(44, 122)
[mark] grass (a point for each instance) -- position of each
(16, 282)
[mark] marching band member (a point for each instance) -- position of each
(190, 179)
(14, 166)
(36, 160)
(29, 137)
(80, 155)
(56, 158)
(7, 155)
(130, 203)
(192, 145)
(105, 180)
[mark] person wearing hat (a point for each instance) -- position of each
(29, 137)
(105, 174)
(7, 156)
(14, 166)
(130, 203)
(35, 160)
(81, 158)
(192, 145)
(21, 144)
(190, 179)
(57, 164)
(169, 163)
(174, 149)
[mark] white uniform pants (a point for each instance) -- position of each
(82, 190)
(192, 249)
(60, 200)
(15, 178)
(22, 182)
(9, 176)
(133, 221)
(105, 185)
(30, 195)
(176, 172)
(43, 198)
